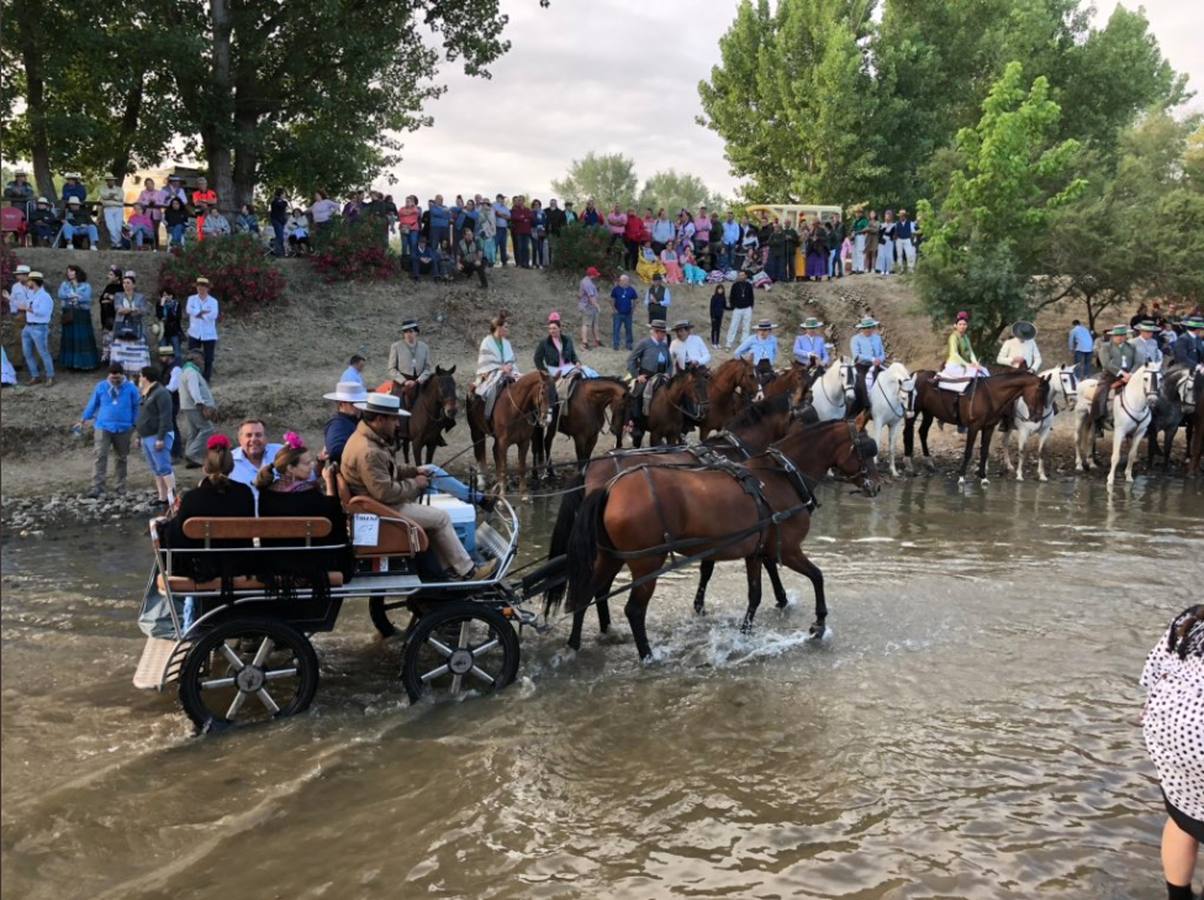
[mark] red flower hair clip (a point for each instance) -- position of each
(293, 441)
(218, 442)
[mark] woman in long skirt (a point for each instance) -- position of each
(108, 314)
(129, 341)
(77, 348)
(817, 252)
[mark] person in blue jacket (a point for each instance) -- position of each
(114, 405)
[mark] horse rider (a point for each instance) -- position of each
(1145, 345)
(648, 363)
(688, 349)
(761, 347)
(496, 363)
(1189, 347)
(960, 361)
(1020, 351)
(869, 354)
(810, 348)
(557, 356)
(410, 362)
(1118, 359)
(370, 468)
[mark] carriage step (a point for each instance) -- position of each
(152, 672)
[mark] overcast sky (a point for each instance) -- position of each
(621, 76)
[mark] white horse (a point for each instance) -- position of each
(1063, 392)
(890, 403)
(833, 392)
(1131, 414)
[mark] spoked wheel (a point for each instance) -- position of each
(378, 610)
(457, 647)
(248, 670)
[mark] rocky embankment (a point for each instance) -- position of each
(31, 516)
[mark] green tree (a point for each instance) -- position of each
(675, 191)
(605, 178)
(986, 241)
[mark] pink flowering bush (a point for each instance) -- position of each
(240, 274)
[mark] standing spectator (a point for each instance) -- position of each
(112, 205)
(351, 209)
(16, 304)
(718, 308)
(114, 405)
(170, 369)
(129, 334)
(591, 218)
(156, 433)
(203, 311)
(197, 409)
(886, 244)
(702, 230)
(741, 301)
(409, 221)
(633, 236)
(175, 221)
(19, 192)
(153, 202)
(501, 215)
(623, 296)
(440, 232)
(355, 370)
(174, 188)
(587, 302)
(539, 235)
(471, 257)
(905, 242)
(685, 231)
(791, 250)
(142, 227)
(817, 253)
(657, 299)
(77, 347)
(487, 232)
(74, 188)
(835, 240)
(616, 224)
(323, 211)
(35, 336)
(662, 232)
(557, 219)
(570, 215)
(278, 216)
(1082, 345)
(872, 236)
(203, 199)
(1173, 727)
(731, 241)
(79, 219)
(108, 311)
(777, 253)
(465, 215)
(521, 222)
(168, 312)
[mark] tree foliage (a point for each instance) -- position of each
(675, 191)
(985, 242)
(604, 177)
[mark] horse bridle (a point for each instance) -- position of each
(702, 407)
(1151, 390)
(901, 411)
(824, 388)
(863, 457)
(444, 416)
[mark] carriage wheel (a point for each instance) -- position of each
(457, 647)
(378, 611)
(248, 670)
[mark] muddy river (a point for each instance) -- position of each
(970, 730)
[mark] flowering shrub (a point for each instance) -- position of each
(354, 251)
(578, 247)
(240, 274)
(8, 264)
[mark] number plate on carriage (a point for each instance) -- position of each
(365, 530)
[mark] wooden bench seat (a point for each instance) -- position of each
(182, 584)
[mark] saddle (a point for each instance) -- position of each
(566, 386)
(489, 402)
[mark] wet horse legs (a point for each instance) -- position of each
(707, 568)
(796, 560)
(752, 567)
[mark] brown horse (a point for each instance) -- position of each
(979, 409)
(733, 387)
(521, 407)
(795, 382)
(432, 412)
(645, 512)
(592, 402)
(747, 435)
(684, 399)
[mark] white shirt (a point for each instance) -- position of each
(1014, 347)
(693, 350)
(41, 308)
(202, 329)
(20, 294)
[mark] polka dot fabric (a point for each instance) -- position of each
(1173, 722)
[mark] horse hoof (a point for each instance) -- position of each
(1019, 477)
(961, 479)
(746, 627)
(1042, 478)
(984, 481)
(821, 633)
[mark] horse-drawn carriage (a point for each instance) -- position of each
(239, 648)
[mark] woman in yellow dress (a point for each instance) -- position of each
(649, 263)
(960, 361)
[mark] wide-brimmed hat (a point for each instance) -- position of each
(1026, 331)
(811, 322)
(383, 405)
(765, 325)
(1147, 326)
(21, 270)
(1193, 323)
(1118, 331)
(201, 279)
(20, 172)
(658, 323)
(36, 276)
(348, 392)
(73, 201)
(867, 322)
(175, 178)
(167, 350)
(409, 325)
(44, 200)
(130, 273)
(683, 323)
(110, 178)
(74, 175)
(592, 272)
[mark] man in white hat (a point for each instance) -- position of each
(16, 303)
(78, 218)
(203, 310)
(342, 424)
(35, 336)
(761, 347)
(370, 469)
(1020, 350)
(688, 349)
(112, 204)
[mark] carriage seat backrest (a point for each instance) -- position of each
(402, 537)
(202, 528)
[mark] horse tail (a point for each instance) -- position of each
(570, 506)
(583, 547)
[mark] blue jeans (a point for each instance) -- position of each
(620, 321)
(176, 233)
(412, 246)
(499, 241)
(442, 482)
(90, 230)
(278, 240)
(158, 460)
(835, 269)
(522, 250)
(141, 235)
(37, 337)
(1082, 364)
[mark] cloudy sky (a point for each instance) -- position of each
(621, 76)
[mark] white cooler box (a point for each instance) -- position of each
(463, 516)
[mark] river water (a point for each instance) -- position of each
(971, 730)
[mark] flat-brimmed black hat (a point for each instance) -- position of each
(1026, 331)
(409, 325)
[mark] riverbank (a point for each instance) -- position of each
(276, 363)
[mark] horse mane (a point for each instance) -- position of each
(760, 410)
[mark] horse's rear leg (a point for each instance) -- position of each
(796, 560)
(752, 567)
(705, 570)
(925, 426)
(523, 448)
(971, 434)
(605, 569)
(984, 451)
(775, 579)
(637, 603)
(1042, 437)
(603, 613)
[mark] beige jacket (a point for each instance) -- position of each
(111, 197)
(369, 466)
